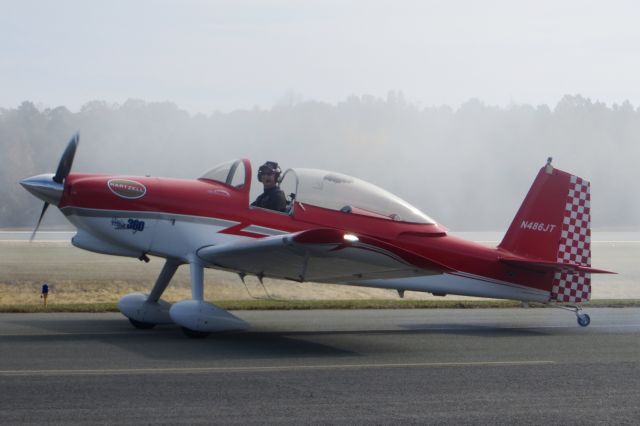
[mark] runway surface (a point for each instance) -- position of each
(350, 367)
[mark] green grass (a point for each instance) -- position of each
(248, 305)
(62, 307)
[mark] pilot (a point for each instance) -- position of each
(272, 198)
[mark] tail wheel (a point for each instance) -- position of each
(584, 320)
(141, 325)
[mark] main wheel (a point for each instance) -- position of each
(194, 334)
(584, 320)
(141, 325)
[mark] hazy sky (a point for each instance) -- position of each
(223, 55)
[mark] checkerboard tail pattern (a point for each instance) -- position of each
(575, 245)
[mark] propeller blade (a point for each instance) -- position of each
(44, 209)
(64, 167)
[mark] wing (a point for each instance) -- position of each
(321, 255)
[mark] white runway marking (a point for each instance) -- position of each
(260, 369)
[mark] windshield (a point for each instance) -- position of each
(336, 191)
(230, 173)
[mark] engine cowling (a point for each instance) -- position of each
(86, 241)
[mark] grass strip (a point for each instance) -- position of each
(248, 305)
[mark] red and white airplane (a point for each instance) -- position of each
(337, 229)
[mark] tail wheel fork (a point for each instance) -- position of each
(583, 319)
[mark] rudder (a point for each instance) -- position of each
(553, 224)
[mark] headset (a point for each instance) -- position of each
(269, 166)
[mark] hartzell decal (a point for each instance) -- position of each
(129, 189)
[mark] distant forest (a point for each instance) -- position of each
(469, 167)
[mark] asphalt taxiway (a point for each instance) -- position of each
(355, 367)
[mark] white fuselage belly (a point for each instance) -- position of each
(178, 237)
(161, 234)
(460, 284)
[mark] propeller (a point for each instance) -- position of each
(64, 166)
(44, 209)
(50, 188)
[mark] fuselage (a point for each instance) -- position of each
(328, 227)
(173, 218)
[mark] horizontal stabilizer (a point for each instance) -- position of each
(554, 266)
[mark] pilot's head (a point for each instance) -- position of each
(269, 173)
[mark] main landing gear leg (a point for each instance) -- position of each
(197, 281)
(583, 319)
(146, 311)
(197, 293)
(168, 270)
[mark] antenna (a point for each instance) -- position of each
(549, 167)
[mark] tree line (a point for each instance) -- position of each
(467, 167)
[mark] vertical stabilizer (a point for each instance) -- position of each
(553, 224)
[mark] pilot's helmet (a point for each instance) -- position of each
(268, 168)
